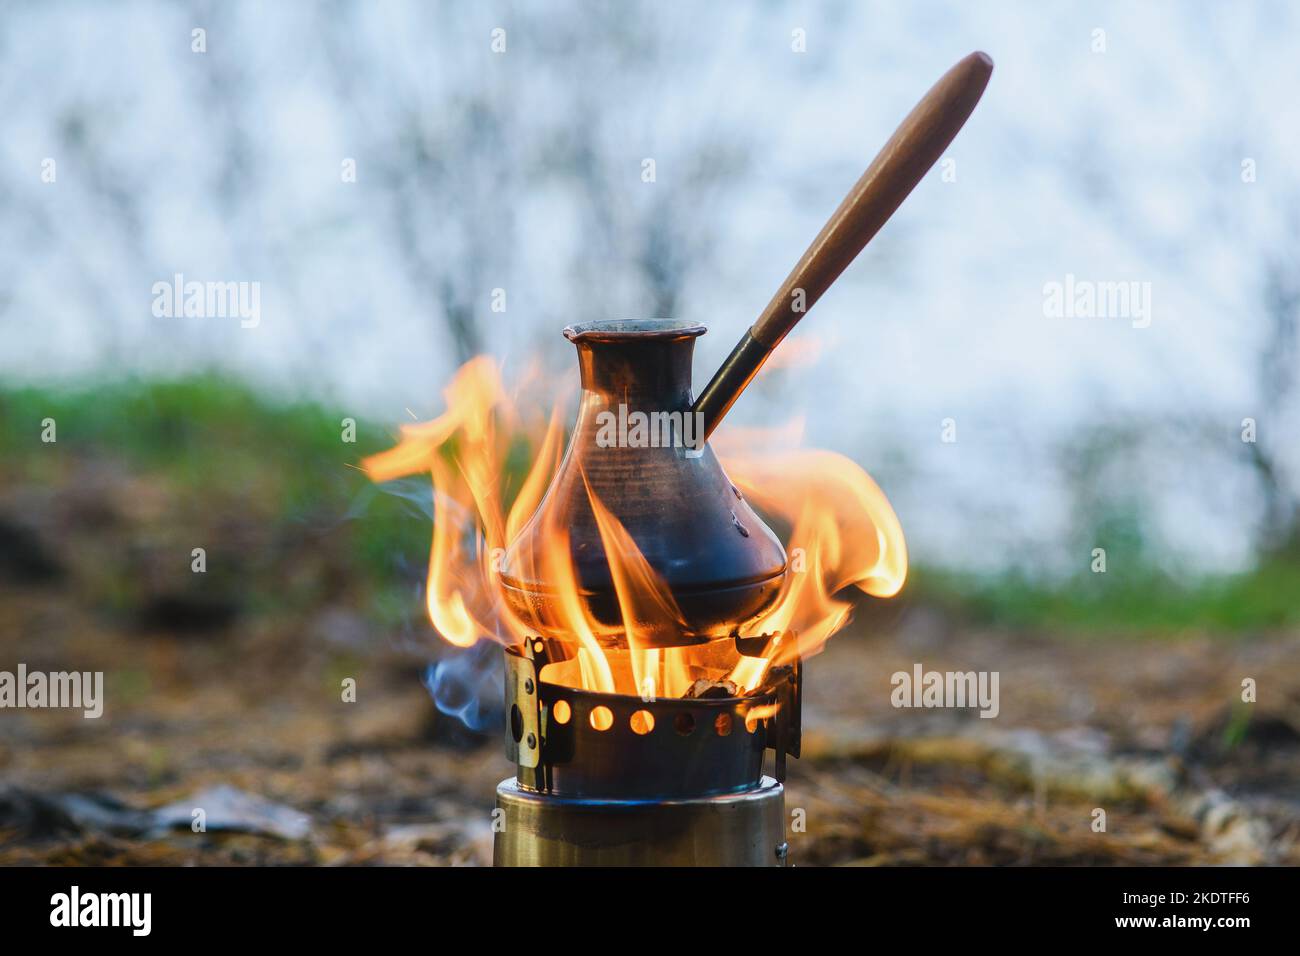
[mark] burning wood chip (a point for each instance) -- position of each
(705, 689)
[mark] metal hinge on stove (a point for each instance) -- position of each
(785, 727)
(523, 704)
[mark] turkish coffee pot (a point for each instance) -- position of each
(639, 445)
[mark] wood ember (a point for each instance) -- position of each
(705, 689)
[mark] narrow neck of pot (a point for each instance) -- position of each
(643, 365)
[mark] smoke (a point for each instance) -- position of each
(414, 491)
(466, 684)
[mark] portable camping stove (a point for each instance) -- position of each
(611, 779)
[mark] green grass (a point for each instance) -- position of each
(1144, 600)
(191, 430)
(215, 440)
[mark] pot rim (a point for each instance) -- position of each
(633, 330)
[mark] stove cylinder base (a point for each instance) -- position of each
(736, 829)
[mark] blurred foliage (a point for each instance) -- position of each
(210, 437)
(285, 463)
(1140, 600)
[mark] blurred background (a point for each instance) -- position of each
(411, 185)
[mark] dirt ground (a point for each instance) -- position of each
(1143, 731)
(230, 705)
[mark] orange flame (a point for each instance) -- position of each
(843, 533)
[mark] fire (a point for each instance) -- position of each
(843, 535)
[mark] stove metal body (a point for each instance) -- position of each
(610, 779)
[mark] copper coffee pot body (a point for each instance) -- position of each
(721, 563)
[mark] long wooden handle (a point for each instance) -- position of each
(915, 146)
